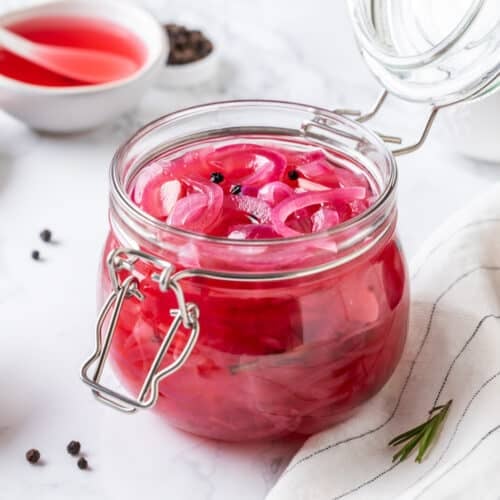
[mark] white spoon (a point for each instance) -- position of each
(85, 65)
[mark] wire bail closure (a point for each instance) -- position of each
(357, 115)
(361, 118)
(186, 314)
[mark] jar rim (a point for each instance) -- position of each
(120, 194)
(383, 55)
(435, 74)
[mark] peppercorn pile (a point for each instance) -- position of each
(186, 45)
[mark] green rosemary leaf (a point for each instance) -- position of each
(407, 449)
(422, 435)
(446, 409)
(408, 434)
(436, 408)
(426, 440)
(403, 439)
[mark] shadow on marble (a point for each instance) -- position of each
(481, 168)
(273, 455)
(116, 130)
(70, 135)
(152, 456)
(5, 170)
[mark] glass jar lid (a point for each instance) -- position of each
(434, 51)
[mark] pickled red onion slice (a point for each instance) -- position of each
(259, 210)
(295, 159)
(198, 211)
(307, 185)
(198, 157)
(266, 171)
(170, 193)
(301, 220)
(182, 167)
(322, 172)
(350, 179)
(147, 190)
(249, 163)
(283, 210)
(188, 213)
(149, 175)
(274, 192)
(253, 232)
(318, 169)
(228, 220)
(324, 218)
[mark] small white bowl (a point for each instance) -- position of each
(71, 109)
(189, 74)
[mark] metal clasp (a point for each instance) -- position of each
(310, 127)
(185, 314)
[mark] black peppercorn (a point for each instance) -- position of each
(236, 189)
(216, 177)
(33, 456)
(35, 255)
(82, 463)
(73, 448)
(293, 175)
(46, 235)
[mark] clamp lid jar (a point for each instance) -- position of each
(240, 340)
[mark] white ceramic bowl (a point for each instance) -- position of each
(190, 74)
(71, 109)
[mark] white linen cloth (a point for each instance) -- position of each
(452, 352)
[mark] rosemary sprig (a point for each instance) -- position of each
(422, 436)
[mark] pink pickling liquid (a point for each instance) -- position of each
(272, 358)
(66, 31)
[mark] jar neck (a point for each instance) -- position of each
(265, 259)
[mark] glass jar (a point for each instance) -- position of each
(439, 52)
(239, 340)
(427, 51)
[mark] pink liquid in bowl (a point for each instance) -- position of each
(273, 358)
(65, 31)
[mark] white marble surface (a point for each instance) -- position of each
(281, 49)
